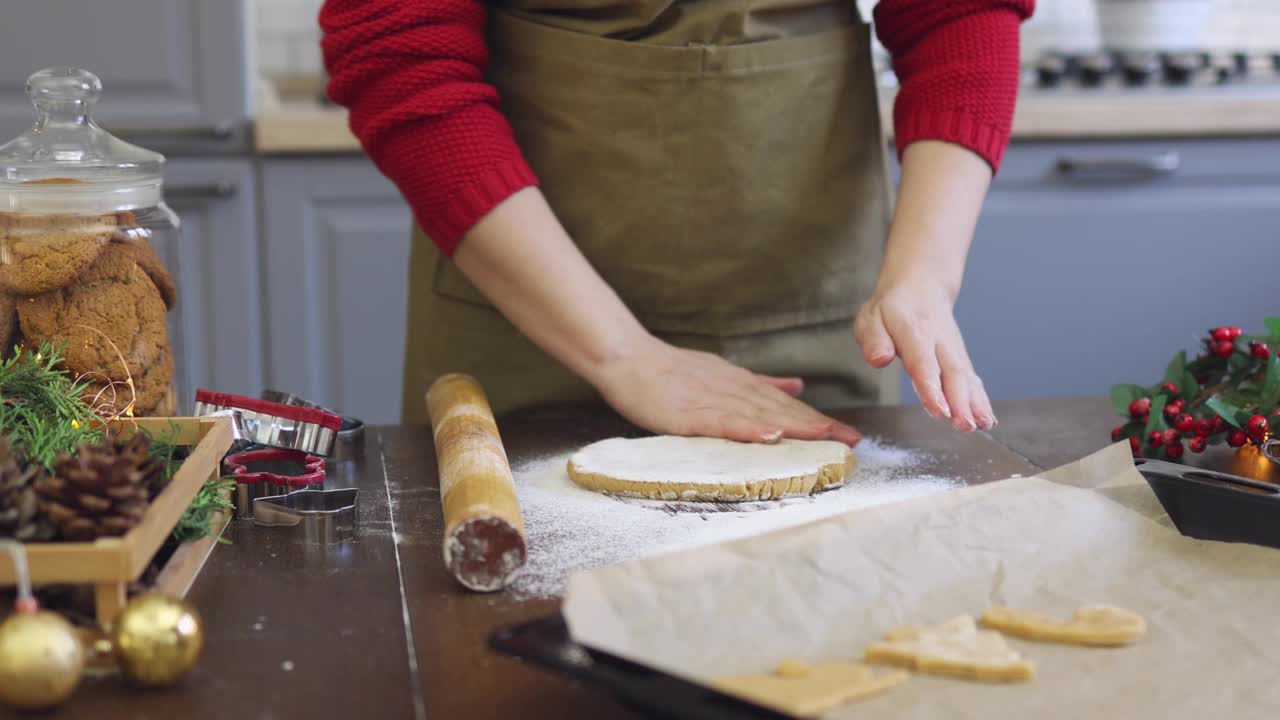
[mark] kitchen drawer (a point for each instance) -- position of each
(1069, 166)
(1073, 286)
(175, 72)
(336, 243)
(216, 328)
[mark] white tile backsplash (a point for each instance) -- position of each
(289, 35)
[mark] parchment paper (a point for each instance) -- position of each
(1084, 533)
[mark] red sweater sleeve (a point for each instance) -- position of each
(957, 64)
(411, 72)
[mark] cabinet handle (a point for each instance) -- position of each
(216, 190)
(218, 131)
(1164, 164)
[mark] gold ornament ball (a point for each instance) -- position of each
(157, 639)
(41, 659)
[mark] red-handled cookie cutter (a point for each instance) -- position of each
(277, 480)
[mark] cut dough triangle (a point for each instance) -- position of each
(956, 648)
(805, 691)
(1101, 625)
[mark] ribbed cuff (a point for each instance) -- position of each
(961, 128)
(446, 226)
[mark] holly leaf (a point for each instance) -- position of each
(1270, 394)
(1238, 361)
(1273, 326)
(1231, 413)
(1188, 387)
(1123, 395)
(1177, 366)
(1156, 421)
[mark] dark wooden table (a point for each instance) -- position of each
(377, 629)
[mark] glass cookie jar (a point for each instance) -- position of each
(80, 212)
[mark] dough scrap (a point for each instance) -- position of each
(823, 687)
(1097, 625)
(956, 648)
(668, 467)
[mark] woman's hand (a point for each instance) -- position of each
(910, 315)
(522, 259)
(670, 390)
(914, 321)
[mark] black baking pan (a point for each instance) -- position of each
(1215, 506)
(648, 691)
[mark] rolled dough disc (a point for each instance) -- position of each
(668, 467)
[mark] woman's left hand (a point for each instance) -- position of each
(910, 315)
(913, 320)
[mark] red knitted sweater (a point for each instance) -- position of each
(412, 74)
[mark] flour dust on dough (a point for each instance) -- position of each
(668, 467)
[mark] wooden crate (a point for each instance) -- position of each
(111, 564)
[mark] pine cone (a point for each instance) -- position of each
(20, 518)
(102, 491)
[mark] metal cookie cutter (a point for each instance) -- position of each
(350, 440)
(271, 471)
(324, 516)
(262, 422)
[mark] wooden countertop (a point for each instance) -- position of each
(310, 128)
(377, 628)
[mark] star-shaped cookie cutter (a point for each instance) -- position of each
(324, 516)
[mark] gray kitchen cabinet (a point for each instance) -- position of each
(336, 248)
(175, 72)
(216, 327)
(1093, 263)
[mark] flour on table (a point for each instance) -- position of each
(570, 528)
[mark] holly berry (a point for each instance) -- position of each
(1220, 334)
(1172, 409)
(1156, 438)
(1234, 332)
(1174, 451)
(1184, 423)
(1203, 428)
(1198, 444)
(1257, 425)
(1171, 437)
(1140, 407)
(1170, 388)
(1237, 439)
(1116, 433)
(1259, 350)
(1223, 348)
(1219, 423)
(1134, 446)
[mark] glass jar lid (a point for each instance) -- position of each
(66, 163)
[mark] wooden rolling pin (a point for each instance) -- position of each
(483, 530)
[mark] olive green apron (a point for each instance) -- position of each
(719, 162)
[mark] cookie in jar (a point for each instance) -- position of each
(81, 213)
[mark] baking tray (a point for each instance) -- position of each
(1215, 506)
(650, 692)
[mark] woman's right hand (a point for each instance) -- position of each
(673, 391)
(523, 261)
